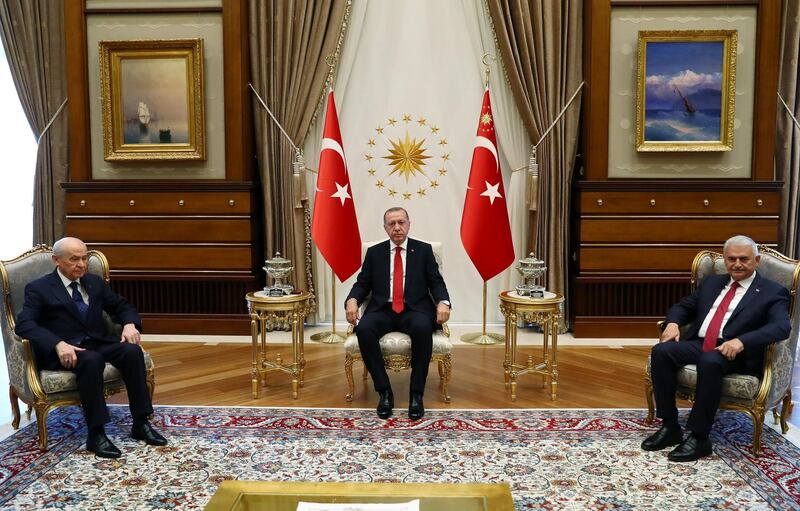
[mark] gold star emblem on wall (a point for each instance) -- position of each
(407, 156)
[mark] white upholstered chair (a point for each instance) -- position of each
(45, 390)
(396, 346)
(745, 392)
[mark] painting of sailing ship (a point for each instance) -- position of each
(152, 99)
(686, 91)
(154, 102)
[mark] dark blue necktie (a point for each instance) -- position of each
(78, 299)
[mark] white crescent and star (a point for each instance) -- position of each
(492, 192)
(341, 190)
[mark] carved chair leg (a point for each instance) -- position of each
(786, 411)
(14, 407)
(758, 425)
(446, 368)
(364, 374)
(28, 412)
(651, 404)
(440, 366)
(41, 425)
(348, 372)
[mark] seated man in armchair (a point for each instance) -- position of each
(63, 318)
(408, 295)
(733, 317)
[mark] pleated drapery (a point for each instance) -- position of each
(541, 47)
(289, 44)
(33, 38)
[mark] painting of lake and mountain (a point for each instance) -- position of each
(683, 91)
(155, 103)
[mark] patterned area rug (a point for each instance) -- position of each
(553, 459)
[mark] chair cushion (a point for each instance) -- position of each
(63, 381)
(396, 343)
(743, 386)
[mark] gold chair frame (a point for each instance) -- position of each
(40, 401)
(756, 407)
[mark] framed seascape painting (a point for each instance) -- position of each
(152, 99)
(686, 89)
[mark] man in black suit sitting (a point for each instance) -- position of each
(733, 318)
(408, 295)
(63, 318)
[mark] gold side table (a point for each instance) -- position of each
(543, 311)
(264, 309)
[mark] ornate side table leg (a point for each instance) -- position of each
(255, 356)
(554, 362)
(510, 324)
(263, 371)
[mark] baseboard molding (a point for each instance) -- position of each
(603, 327)
(196, 324)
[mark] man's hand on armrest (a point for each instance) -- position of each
(351, 311)
(670, 332)
(130, 334)
(67, 354)
(442, 312)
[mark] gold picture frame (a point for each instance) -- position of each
(152, 99)
(686, 90)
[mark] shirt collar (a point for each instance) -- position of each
(403, 245)
(64, 279)
(744, 283)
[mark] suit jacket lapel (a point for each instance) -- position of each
(752, 292)
(60, 292)
(713, 294)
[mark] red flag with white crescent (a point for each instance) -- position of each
(485, 229)
(334, 226)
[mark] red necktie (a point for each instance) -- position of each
(713, 330)
(397, 282)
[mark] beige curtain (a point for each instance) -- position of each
(289, 42)
(540, 46)
(33, 38)
(787, 147)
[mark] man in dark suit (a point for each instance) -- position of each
(63, 318)
(408, 295)
(733, 319)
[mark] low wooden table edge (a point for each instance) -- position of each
(229, 494)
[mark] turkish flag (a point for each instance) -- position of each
(485, 230)
(334, 227)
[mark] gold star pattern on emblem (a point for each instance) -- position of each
(406, 196)
(446, 156)
(392, 121)
(407, 156)
(379, 184)
(371, 141)
(434, 130)
(392, 192)
(422, 121)
(379, 129)
(442, 171)
(486, 118)
(406, 118)
(443, 141)
(421, 192)
(371, 172)
(434, 183)
(368, 157)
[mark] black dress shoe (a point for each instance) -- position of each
(691, 449)
(666, 436)
(415, 408)
(101, 446)
(385, 403)
(147, 433)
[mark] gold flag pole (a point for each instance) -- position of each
(332, 336)
(483, 337)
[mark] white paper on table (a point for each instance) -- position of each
(322, 506)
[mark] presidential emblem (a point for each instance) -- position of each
(407, 157)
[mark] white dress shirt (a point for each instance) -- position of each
(744, 284)
(403, 251)
(67, 283)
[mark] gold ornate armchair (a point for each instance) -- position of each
(744, 392)
(44, 390)
(396, 346)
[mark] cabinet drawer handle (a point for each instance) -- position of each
(599, 202)
(705, 202)
(652, 202)
(132, 203)
(759, 203)
(231, 203)
(181, 203)
(83, 203)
